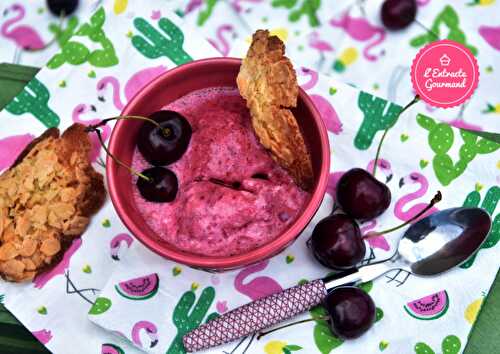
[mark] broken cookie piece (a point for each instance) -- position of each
(46, 200)
(268, 83)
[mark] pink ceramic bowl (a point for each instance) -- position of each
(170, 86)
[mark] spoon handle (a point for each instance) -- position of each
(359, 275)
(256, 316)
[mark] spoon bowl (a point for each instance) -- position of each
(444, 239)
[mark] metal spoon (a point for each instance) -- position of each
(429, 247)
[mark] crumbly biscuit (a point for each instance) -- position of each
(268, 83)
(46, 199)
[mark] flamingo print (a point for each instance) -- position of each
(24, 36)
(44, 278)
(328, 113)
(133, 85)
(382, 165)
(193, 5)
(491, 35)
(361, 30)
(106, 131)
(319, 44)
(43, 336)
(116, 243)
(11, 147)
(401, 204)
(222, 44)
(460, 123)
(258, 287)
(374, 242)
(151, 331)
(237, 7)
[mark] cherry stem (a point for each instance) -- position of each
(437, 198)
(427, 29)
(321, 318)
(95, 128)
(415, 100)
(101, 141)
(166, 131)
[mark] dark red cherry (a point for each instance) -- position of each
(161, 186)
(336, 242)
(362, 196)
(398, 14)
(64, 7)
(351, 310)
(166, 145)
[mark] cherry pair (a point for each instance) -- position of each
(336, 240)
(162, 140)
(162, 144)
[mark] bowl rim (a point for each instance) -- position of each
(219, 263)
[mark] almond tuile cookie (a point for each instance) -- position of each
(268, 83)
(46, 199)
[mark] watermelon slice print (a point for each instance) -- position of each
(109, 348)
(429, 307)
(141, 288)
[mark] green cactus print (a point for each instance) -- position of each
(309, 8)
(34, 99)
(158, 45)
(448, 16)
(284, 3)
(379, 115)
(73, 53)
(101, 305)
(450, 345)
(366, 287)
(2, 297)
(441, 139)
(489, 204)
(212, 316)
(187, 318)
(76, 53)
(422, 348)
(62, 35)
(323, 338)
(205, 14)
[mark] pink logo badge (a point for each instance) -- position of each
(444, 73)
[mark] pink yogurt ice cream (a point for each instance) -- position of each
(233, 197)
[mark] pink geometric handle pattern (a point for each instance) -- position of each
(256, 316)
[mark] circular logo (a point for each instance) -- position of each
(444, 73)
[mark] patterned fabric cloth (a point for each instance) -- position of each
(344, 39)
(106, 62)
